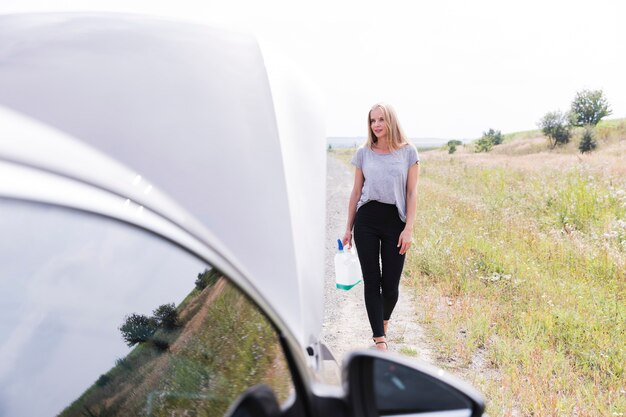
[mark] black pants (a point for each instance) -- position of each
(377, 227)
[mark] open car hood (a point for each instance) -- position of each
(196, 112)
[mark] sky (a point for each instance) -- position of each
(452, 69)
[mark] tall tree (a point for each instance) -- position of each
(589, 107)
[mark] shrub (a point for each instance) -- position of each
(166, 316)
(160, 344)
(489, 139)
(494, 135)
(137, 328)
(207, 278)
(588, 141)
(452, 144)
(103, 380)
(483, 145)
(123, 363)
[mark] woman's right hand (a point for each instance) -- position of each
(347, 240)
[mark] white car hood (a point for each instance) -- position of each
(195, 111)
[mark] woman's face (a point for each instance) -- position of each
(377, 123)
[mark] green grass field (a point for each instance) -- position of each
(519, 267)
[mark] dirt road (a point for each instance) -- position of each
(346, 326)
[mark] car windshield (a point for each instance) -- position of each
(98, 317)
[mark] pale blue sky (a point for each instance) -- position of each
(452, 68)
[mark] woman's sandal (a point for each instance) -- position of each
(381, 342)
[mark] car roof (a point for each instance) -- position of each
(229, 135)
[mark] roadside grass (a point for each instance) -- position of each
(520, 263)
(523, 284)
(409, 351)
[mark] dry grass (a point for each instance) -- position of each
(521, 261)
(608, 161)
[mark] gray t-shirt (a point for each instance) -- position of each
(385, 175)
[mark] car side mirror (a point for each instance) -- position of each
(380, 384)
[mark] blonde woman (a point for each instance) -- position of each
(381, 211)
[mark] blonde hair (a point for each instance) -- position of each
(395, 135)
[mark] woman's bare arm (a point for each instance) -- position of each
(406, 237)
(355, 195)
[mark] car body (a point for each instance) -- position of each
(162, 206)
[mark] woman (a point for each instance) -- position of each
(382, 211)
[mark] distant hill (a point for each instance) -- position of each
(609, 133)
(356, 141)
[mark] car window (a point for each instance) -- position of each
(98, 318)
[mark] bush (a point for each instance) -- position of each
(137, 328)
(495, 136)
(489, 139)
(103, 380)
(166, 316)
(160, 344)
(589, 107)
(207, 278)
(123, 363)
(483, 145)
(556, 127)
(452, 144)
(588, 141)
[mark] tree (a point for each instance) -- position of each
(589, 107)
(451, 149)
(556, 127)
(137, 328)
(587, 142)
(166, 316)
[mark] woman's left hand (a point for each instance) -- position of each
(405, 241)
